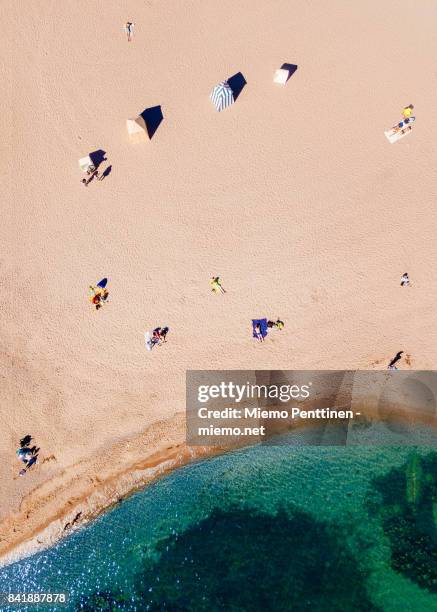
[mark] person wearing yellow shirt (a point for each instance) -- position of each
(216, 285)
(408, 111)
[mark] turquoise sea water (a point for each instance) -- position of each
(265, 528)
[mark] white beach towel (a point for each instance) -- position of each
(395, 136)
(148, 340)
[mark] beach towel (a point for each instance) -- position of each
(393, 136)
(102, 284)
(148, 340)
(263, 326)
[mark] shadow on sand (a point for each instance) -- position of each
(237, 83)
(291, 69)
(152, 117)
(97, 157)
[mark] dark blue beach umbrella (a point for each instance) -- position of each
(102, 284)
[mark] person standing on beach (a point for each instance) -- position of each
(129, 27)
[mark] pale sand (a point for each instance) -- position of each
(293, 196)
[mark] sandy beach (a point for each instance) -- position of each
(293, 196)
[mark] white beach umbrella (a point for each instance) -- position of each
(85, 163)
(222, 96)
(137, 128)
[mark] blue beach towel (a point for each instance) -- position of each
(263, 326)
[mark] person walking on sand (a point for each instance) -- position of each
(129, 28)
(396, 358)
(216, 285)
(405, 280)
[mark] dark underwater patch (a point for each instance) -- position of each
(408, 511)
(240, 559)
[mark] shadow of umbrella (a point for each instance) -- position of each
(152, 118)
(291, 68)
(237, 84)
(97, 157)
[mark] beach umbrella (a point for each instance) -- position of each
(222, 96)
(85, 163)
(137, 128)
(281, 76)
(102, 284)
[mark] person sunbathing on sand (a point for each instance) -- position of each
(258, 333)
(216, 285)
(408, 111)
(405, 280)
(99, 296)
(159, 335)
(31, 462)
(156, 336)
(403, 126)
(278, 324)
(94, 174)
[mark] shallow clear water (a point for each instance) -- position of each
(268, 528)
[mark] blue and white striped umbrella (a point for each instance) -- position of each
(222, 96)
